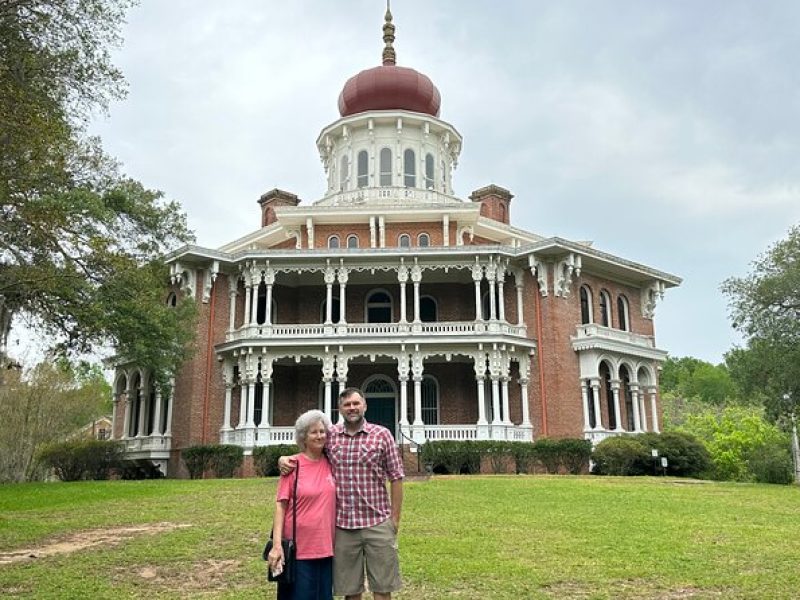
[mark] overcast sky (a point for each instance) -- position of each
(666, 132)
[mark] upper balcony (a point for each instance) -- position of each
(443, 331)
(592, 336)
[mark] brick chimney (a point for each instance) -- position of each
(495, 202)
(272, 199)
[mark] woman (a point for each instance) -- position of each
(316, 514)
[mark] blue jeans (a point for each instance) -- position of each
(314, 581)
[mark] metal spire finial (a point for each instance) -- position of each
(389, 57)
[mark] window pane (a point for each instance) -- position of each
(429, 171)
(386, 167)
(409, 169)
(423, 240)
(352, 241)
(333, 241)
(363, 162)
(404, 241)
(343, 173)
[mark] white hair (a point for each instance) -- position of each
(304, 423)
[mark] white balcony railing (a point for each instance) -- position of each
(150, 443)
(595, 331)
(382, 330)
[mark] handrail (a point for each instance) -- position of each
(416, 444)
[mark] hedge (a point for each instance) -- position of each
(222, 459)
(265, 458)
(74, 460)
(632, 455)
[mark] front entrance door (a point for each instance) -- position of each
(381, 401)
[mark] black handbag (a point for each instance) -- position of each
(289, 573)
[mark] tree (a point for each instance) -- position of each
(50, 402)
(765, 308)
(690, 377)
(80, 243)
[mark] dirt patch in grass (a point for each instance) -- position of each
(198, 578)
(82, 540)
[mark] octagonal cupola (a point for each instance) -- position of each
(389, 142)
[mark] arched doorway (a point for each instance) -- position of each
(381, 397)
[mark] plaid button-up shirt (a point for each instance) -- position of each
(362, 462)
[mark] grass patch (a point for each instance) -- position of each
(461, 537)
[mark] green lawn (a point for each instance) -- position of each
(469, 537)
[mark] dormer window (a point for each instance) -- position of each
(409, 168)
(362, 165)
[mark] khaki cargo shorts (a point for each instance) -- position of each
(374, 547)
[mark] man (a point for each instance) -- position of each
(363, 456)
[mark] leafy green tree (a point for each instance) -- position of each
(80, 243)
(690, 377)
(765, 308)
(51, 401)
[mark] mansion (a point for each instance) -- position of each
(456, 324)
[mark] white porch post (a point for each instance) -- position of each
(342, 367)
(523, 388)
(115, 398)
(417, 370)
(491, 277)
(269, 280)
(251, 405)
(654, 410)
(248, 294)
(267, 404)
(445, 230)
(226, 418)
(642, 411)
(142, 402)
(327, 380)
(598, 416)
(587, 425)
(416, 278)
(480, 381)
(242, 404)
(615, 392)
(126, 425)
(495, 399)
(501, 299)
(330, 274)
(504, 395)
(343, 275)
(157, 414)
(170, 403)
(637, 423)
(519, 281)
(402, 278)
(402, 376)
(477, 277)
(233, 284)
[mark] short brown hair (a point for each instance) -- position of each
(351, 391)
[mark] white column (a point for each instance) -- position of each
(416, 278)
(587, 425)
(251, 404)
(126, 426)
(495, 400)
(372, 240)
(226, 417)
(445, 230)
(382, 232)
(330, 276)
(267, 403)
(523, 389)
(654, 410)
(343, 275)
(402, 376)
(481, 382)
(157, 413)
(617, 412)
(170, 403)
(477, 276)
(233, 283)
(642, 412)
(248, 294)
(418, 401)
(491, 278)
(598, 416)
(242, 404)
(402, 277)
(142, 402)
(637, 423)
(114, 406)
(504, 395)
(326, 403)
(268, 307)
(519, 285)
(501, 300)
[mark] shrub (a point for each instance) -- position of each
(139, 469)
(546, 453)
(499, 454)
(197, 460)
(686, 455)
(621, 455)
(265, 458)
(574, 454)
(524, 459)
(225, 459)
(453, 457)
(74, 460)
(772, 463)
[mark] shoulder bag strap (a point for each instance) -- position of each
(294, 503)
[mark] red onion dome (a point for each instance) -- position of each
(389, 87)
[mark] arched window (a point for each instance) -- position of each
(335, 310)
(379, 307)
(423, 240)
(409, 168)
(386, 167)
(362, 165)
(352, 241)
(586, 304)
(404, 241)
(427, 309)
(605, 375)
(333, 241)
(381, 397)
(430, 400)
(623, 314)
(344, 173)
(605, 308)
(429, 171)
(261, 306)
